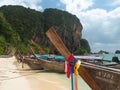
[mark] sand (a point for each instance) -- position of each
(13, 77)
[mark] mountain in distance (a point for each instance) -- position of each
(20, 25)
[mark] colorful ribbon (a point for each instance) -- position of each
(68, 65)
(71, 68)
(72, 62)
(76, 67)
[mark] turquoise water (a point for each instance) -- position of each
(107, 56)
(82, 85)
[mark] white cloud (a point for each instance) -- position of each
(100, 27)
(115, 2)
(33, 4)
(75, 6)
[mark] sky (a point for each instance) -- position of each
(100, 19)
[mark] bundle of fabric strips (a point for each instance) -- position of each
(71, 68)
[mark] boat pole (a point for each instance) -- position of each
(72, 79)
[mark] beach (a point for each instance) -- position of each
(14, 77)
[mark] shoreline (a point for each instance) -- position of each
(13, 77)
(17, 79)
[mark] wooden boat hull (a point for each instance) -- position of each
(105, 77)
(33, 64)
(45, 64)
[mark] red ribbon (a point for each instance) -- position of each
(71, 57)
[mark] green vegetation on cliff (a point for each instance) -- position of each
(8, 37)
(20, 25)
(85, 48)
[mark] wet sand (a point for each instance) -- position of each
(16, 78)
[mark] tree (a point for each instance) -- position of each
(102, 51)
(84, 48)
(80, 51)
(7, 31)
(3, 45)
(85, 45)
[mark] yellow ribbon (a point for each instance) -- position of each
(76, 67)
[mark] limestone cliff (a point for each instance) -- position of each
(31, 24)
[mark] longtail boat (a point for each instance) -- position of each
(49, 65)
(46, 62)
(97, 77)
(105, 77)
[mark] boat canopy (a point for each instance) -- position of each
(89, 57)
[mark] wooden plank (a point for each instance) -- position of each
(31, 48)
(57, 42)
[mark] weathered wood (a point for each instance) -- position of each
(107, 78)
(40, 63)
(57, 42)
(31, 48)
(55, 39)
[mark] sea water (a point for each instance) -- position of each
(82, 85)
(107, 58)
